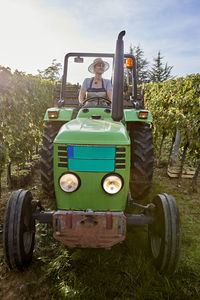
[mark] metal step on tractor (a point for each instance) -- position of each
(95, 160)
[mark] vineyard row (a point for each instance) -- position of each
(175, 109)
(23, 103)
(174, 104)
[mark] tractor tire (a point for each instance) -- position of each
(142, 158)
(46, 161)
(19, 230)
(164, 234)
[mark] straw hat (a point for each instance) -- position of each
(98, 61)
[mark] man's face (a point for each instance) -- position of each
(99, 68)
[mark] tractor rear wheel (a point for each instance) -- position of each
(141, 159)
(164, 234)
(46, 161)
(19, 230)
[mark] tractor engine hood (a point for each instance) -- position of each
(93, 132)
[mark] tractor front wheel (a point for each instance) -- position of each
(19, 230)
(165, 234)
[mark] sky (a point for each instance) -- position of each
(34, 32)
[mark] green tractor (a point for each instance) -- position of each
(95, 160)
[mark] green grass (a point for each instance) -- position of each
(123, 272)
(126, 271)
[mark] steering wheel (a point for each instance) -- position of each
(98, 98)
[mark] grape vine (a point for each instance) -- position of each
(173, 103)
(23, 105)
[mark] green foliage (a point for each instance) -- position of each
(173, 102)
(2, 157)
(158, 72)
(21, 116)
(5, 79)
(51, 73)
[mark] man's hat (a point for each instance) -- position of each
(98, 61)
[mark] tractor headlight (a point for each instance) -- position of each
(69, 182)
(53, 114)
(112, 183)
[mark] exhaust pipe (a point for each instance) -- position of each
(118, 80)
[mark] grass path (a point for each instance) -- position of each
(124, 272)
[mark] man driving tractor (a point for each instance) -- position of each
(96, 86)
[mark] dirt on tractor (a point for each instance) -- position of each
(54, 276)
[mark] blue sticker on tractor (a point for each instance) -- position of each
(91, 152)
(91, 165)
(70, 150)
(91, 158)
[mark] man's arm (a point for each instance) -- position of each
(109, 94)
(81, 96)
(82, 92)
(109, 90)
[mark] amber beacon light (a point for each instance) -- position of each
(129, 63)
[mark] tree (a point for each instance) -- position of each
(141, 64)
(52, 72)
(5, 79)
(159, 72)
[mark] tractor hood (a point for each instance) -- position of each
(90, 132)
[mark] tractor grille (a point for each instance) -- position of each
(120, 161)
(91, 158)
(62, 157)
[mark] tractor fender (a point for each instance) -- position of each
(55, 114)
(131, 115)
